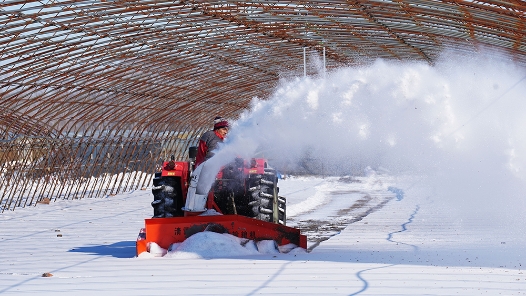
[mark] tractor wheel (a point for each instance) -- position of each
(262, 203)
(271, 180)
(164, 197)
(282, 210)
(157, 203)
(266, 205)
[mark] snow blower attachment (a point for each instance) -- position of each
(243, 202)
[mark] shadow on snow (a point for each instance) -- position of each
(124, 249)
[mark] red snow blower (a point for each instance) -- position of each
(243, 202)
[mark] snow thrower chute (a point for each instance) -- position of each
(243, 201)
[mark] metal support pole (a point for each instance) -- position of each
(324, 66)
(304, 62)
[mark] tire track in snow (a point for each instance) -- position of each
(318, 231)
(366, 283)
(336, 205)
(404, 228)
(271, 279)
(389, 238)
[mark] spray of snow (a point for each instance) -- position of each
(458, 123)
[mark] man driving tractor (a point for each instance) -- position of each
(197, 193)
(209, 140)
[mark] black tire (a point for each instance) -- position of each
(264, 201)
(157, 178)
(165, 197)
(272, 180)
(255, 197)
(282, 210)
(158, 202)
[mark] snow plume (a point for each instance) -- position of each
(459, 122)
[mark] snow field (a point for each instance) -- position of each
(400, 249)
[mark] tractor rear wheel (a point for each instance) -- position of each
(261, 203)
(265, 202)
(282, 210)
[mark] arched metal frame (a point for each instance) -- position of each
(94, 94)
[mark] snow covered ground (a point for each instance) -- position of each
(377, 235)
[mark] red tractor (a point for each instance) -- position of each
(244, 195)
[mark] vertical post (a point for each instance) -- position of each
(324, 66)
(304, 63)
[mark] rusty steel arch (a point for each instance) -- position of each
(94, 94)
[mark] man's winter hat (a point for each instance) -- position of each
(220, 122)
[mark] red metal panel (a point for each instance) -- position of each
(166, 231)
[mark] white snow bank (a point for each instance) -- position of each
(311, 203)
